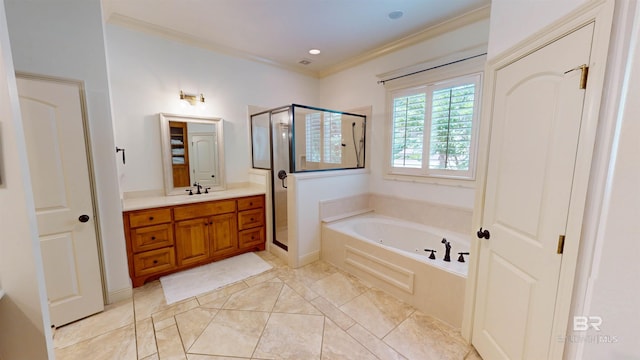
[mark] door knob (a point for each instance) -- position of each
(83, 218)
(483, 234)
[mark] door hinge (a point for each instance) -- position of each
(560, 244)
(583, 75)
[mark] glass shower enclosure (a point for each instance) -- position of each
(298, 138)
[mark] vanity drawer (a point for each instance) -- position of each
(251, 237)
(154, 261)
(204, 209)
(253, 202)
(151, 237)
(149, 217)
(250, 219)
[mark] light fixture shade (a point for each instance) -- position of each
(191, 99)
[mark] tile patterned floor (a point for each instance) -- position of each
(314, 312)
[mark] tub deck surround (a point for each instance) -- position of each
(434, 287)
(169, 234)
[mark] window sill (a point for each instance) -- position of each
(434, 180)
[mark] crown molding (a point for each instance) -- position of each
(153, 29)
(423, 35)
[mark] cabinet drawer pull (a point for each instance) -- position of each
(150, 218)
(155, 261)
(251, 219)
(250, 204)
(153, 238)
(252, 237)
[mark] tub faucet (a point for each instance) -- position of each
(447, 246)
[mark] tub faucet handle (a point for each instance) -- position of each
(461, 257)
(432, 256)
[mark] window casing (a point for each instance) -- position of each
(433, 128)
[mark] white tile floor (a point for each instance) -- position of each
(314, 312)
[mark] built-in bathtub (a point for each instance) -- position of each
(389, 254)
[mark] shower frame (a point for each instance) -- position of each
(292, 153)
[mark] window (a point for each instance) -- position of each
(312, 127)
(332, 138)
(433, 128)
(323, 133)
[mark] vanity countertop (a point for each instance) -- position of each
(148, 202)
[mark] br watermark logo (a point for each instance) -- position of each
(586, 323)
(583, 323)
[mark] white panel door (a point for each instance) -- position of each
(57, 154)
(536, 118)
(203, 159)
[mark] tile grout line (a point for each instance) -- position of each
(255, 348)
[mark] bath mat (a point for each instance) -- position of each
(196, 281)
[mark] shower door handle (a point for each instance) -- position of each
(282, 175)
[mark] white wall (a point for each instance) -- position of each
(305, 192)
(24, 313)
(65, 39)
(611, 268)
(147, 73)
(357, 86)
(514, 20)
(614, 290)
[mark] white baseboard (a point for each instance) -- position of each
(279, 252)
(309, 258)
(119, 295)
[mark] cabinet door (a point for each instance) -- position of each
(192, 240)
(224, 235)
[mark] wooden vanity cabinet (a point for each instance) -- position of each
(251, 222)
(205, 230)
(165, 240)
(150, 240)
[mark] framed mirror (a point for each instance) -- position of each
(192, 152)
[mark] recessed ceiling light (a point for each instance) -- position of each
(394, 15)
(314, 51)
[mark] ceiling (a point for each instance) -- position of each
(282, 32)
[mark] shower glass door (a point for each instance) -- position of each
(280, 122)
(300, 138)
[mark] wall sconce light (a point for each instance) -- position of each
(191, 99)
